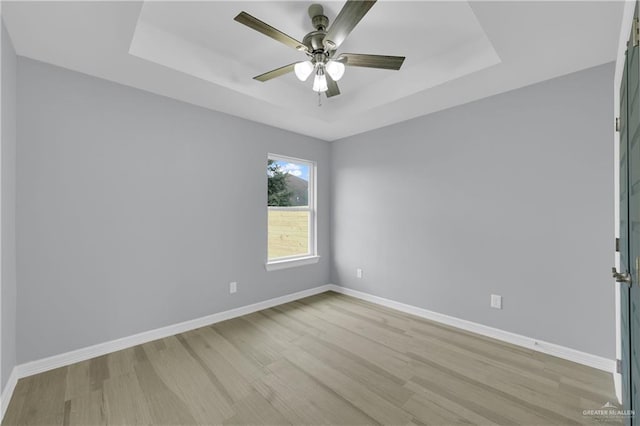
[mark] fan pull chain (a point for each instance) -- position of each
(319, 99)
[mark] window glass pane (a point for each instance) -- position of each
(288, 233)
(288, 183)
(290, 201)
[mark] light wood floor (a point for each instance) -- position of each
(326, 359)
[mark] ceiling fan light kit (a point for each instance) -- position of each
(321, 46)
(320, 82)
(303, 70)
(335, 69)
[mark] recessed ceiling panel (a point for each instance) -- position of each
(442, 41)
(195, 52)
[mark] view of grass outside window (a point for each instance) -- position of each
(290, 205)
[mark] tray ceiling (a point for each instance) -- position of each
(194, 51)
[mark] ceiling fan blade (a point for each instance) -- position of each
(268, 30)
(333, 89)
(345, 22)
(371, 61)
(275, 73)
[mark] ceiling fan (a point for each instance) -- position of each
(321, 46)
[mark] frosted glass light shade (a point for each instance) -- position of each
(320, 83)
(303, 70)
(335, 70)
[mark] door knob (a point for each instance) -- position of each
(621, 277)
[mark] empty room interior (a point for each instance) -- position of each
(319, 213)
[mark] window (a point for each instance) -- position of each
(291, 212)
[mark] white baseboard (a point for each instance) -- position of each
(569, 354)
(83, 354)
(61, 360)
(7, 392)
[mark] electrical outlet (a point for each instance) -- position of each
(358, 272)
(233, 287)
(496, 301)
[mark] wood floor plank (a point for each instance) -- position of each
(255, 409)
(283, 335)
(182, 376)
(359, 314)
(347, 306)
(164, 406)
(22, 395)
(86, 410)
(357, 394)
(78, 380)
(471, 399)
(434, 345)
(359, 369)
(499, 352)
(386, 358)
(98, 372)
(296, 326)
(393, 339)
(124, 401)
(493, 403)
(245, 365)
(121, 362)
(430, 412)
(295, 385)
(220, 371)
(545, 392)
(48, 388)
(422, 393)
(248, 339)
(328, 359)
(297, 410)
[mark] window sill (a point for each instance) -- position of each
(291, 263)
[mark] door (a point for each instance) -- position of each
(624, 242)
(633, 223)
(630, 225)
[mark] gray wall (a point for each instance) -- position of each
(135, 211)
(8, 202)
(127, 222)
(511, 195)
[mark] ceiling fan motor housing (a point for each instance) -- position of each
(314, 40)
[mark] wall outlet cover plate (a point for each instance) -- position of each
(496, 301)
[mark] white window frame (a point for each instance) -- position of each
(312, 254)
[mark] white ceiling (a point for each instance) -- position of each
(195, 52)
